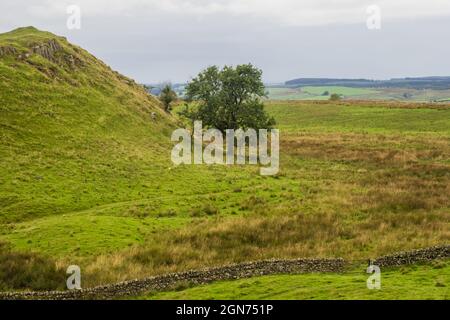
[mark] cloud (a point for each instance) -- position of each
(301, 12)
(282, 12)
(156, 40)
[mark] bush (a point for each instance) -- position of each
(335, 97)
(167, 96)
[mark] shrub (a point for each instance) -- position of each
(335, 97)
(167, 96)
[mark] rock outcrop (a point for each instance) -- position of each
(51, 50)
(47, 49)
(7, 50)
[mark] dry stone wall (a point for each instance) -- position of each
(230, 272)
(414, 256)
(157, 283)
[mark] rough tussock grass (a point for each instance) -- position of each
(223, 241)
(25, 270)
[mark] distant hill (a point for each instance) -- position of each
(412, 83)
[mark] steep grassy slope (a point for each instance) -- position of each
(73, 132)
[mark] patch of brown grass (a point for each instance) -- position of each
(373, 173)
(231, 240)
(359, 196)
(379, 149)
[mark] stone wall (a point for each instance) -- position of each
(158, 283)
(230, 272)
(414, 256)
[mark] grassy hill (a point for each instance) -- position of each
(73, 132)
(85, 169)
(86, 178)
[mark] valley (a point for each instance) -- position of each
(87, 179)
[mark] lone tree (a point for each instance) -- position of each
(335, 97)
(167, 96)
(229, 98)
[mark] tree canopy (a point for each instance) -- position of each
(335, 97)
(228, 98)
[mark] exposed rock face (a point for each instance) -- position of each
(53, 51)
(56, 50)
(415, 256)
(7, 50)
(48, 49)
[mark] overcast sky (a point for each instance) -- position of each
(172, 40)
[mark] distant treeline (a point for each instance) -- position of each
(414, 83)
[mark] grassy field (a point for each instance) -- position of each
(362, 117)
(349, 93)
(356, 181)
(409, 283)
(86, 179)
(316, 93)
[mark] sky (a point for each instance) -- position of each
(157, 41)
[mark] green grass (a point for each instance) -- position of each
(315, 93)
(349, 93)
(411, 282)
(86, 176)
(329, 117)
(345, 91)
(84, 234)
(285, 94)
